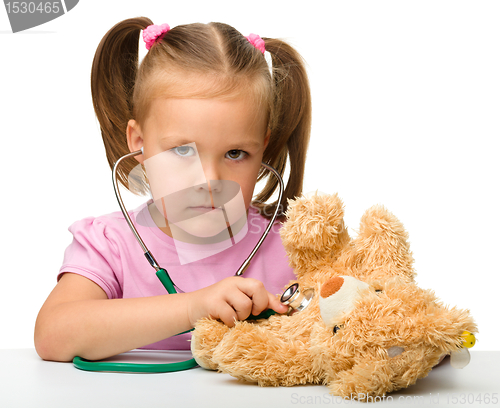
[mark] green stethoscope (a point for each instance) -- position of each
(169, 285)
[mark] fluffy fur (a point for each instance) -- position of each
(394, 334)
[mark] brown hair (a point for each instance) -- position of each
(122, 90)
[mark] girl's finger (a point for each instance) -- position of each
(276, 305)
(227, 314)
(241, 304)
(258, 294)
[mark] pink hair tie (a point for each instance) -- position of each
(153, 32)
(257, 42)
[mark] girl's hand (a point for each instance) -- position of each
(232, 299)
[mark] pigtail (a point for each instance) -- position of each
(290, 124)
(114, 71)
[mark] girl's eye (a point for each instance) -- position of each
(183, 151)
(236, 155)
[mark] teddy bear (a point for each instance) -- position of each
(362, 327)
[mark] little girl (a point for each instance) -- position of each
(204, 90)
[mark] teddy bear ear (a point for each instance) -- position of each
(314, 229)
(382, 246)
(337, 298)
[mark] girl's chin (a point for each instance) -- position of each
(201, 230)
(206, 229)
(206, 225)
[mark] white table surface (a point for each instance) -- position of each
(27, 381)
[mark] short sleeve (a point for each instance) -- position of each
(93, 255)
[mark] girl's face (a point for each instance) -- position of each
(201, 155)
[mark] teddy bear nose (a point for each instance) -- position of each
(331, 286)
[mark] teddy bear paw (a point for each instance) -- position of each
(207, 335)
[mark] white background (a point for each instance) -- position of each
(406, 99)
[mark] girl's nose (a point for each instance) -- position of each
(210, 186)
(215, 186)
(212, 176)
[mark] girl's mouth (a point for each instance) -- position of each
(203, 209)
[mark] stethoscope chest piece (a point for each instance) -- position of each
(296, 299)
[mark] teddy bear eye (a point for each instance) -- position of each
(378, 291)
(336, 329)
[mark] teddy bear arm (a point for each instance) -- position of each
(256, 354)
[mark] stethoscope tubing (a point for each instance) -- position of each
(245, 264)
(87, 365)
(149, 256)
(114, 172)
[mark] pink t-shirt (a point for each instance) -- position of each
(105, 251)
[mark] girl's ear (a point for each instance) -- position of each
(135, 140)
(266, 139)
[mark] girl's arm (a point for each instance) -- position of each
(78, 319)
